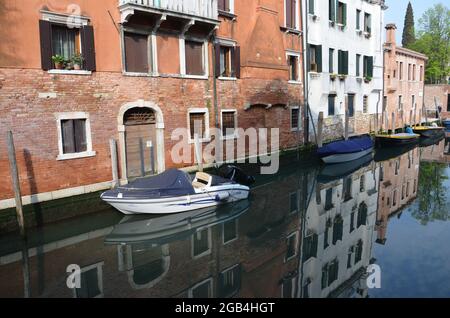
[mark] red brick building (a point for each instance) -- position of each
(136, 73)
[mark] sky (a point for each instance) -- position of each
(397, 9)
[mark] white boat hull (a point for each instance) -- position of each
(339, 158)
(213, 196)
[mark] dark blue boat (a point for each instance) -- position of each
(346, 150)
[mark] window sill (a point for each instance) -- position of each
(199, 77)
(224, 78)
(134, 74)
(70, 156)
(295, 82)
(228, 15)
(291, 30)
(69, 72)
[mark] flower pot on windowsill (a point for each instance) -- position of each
(367, 79)
(342, 77)
(59, 66)
(77, 67)
(333, 77)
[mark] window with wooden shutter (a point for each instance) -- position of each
(45, 32)
(331, 106)
(197, 125)
(343, 62)
(136, 53)
(368, 66)
(332, 10)
(230, 281)
(367, 23)
(341, 13)
(226, 64)
(293, 63)
(74, 135)
(315, 58)
(228, 123)
(331, 61)
(291, 16)
(295, 118)
(224, 5)
(358, 19)
(311, 7)
(351, 105)
(358, 65)
(88, 48)
(194, 58)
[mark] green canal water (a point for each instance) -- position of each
(308, 231)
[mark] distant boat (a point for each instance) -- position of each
(395, 140)
(346, 150)
(428, 131)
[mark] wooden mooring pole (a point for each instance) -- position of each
(347, 123)
(19, 212)
(320, 130)
(114, 162)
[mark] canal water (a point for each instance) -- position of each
(378, 227)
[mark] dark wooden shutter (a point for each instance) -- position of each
(370, 66)
(332, 10)
(217, 59)
(237, 61)
(319, 58)
(79, 126)
(88, 47)
(346, 62)
(289, 13)
(136, 53)
(68, 140)
(45, 32)
(194, 58)
(344, 14)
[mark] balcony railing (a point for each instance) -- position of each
(207, 9)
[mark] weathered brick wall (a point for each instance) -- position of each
(439, 94)
(32, 119)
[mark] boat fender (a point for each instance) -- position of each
(221, 196)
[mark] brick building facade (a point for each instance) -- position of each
(145, 71)
(438, 95)
(404, 73)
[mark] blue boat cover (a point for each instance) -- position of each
(346, 146)
(170, 183)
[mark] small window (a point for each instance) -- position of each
(358, 65)
(198, 122)
(331, 105)
(295, 118)
(351, 105)
(365, 104)
(315, 58)
(230, 233)
(194, 58)
(225, 5)
(333, 272)
(394, 198)
(352, 222)
(409, 71)
(338, 228)
(136, 53)
(342, 13)
(331, 61)
(400, 71)
(291, 246)
(201, 243)
(294, 66)
(291, 14)
(349, 256)
(403, 192)
(362, 184)
(367, 23)
(348, 188)
(343, 62)
(227, 61)
(91, 282)
(201, 290)
(368, 66)
(414, 72)
(74, 136)
(326, 235)
(397, 167)
(311, 7)
(230, 282)
(310, 246)
(413, 101)
(329, 199)
(229, 123)
(362, 214)
(358, 19)
(421, 73)
(359, 251)
(400, 102)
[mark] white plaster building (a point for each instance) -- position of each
(344, 63)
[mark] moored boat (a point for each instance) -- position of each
(346, 150)
(428, 131)
(174, 192)
(395, 140)
(446, 124)
(338, 171)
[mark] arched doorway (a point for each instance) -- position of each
(141, 139)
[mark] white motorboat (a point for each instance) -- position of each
(174, 192)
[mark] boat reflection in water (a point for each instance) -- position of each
(304, 232)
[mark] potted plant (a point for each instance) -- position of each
(367, 79)
(77, 61)
(333, 76)
(59, 61)
(342, 77)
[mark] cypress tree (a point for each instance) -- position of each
(408, 30)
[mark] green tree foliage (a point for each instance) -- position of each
(409, 36)
(434, 41)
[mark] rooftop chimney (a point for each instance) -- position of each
(390, 33)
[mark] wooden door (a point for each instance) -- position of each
(140, 135)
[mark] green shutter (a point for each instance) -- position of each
(332, 10)
(344, 15)
(319, 58)
(370, 67)
(339, 62)
(346, 62)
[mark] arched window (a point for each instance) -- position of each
(362, 214)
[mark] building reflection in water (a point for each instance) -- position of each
(306, 232)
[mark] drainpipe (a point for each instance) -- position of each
(382, 72)
(305, 71)
(215, 99)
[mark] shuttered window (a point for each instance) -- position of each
(367, 23)
(362, 215)
(58, 39)
(291, 16)
(74, 135)
(228, 60)
(136, 53)
(338, 227)
(331, 106)
(293, 68)
(332, 10)
(365, 104)
(358, 19)
(230, 282)
(359, 251)
(342, 13)
(333, 272)
(310, 246)
(351, 105)
(343, 62)
(291, 246)
(311, 7)
(197, 125)
(228, 123)
(224, 5)
(368, 66)
(315, 58)
(329, 199)
(194, 58)
(203, 290)
(358, 65)
(201, 243)
(295, 118)
(331, 61)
